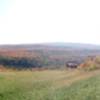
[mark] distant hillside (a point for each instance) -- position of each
(57, 44)
(75, 45)
(50, 55)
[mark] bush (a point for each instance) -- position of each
(91, 64)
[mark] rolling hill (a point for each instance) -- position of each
(47, 55)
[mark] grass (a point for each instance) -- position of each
(50, 85)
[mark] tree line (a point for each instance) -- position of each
(20, 63)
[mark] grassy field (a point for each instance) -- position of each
(50, 85)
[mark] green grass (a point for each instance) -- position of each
(49, 85)
(83, 90)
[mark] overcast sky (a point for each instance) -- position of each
(36, 21)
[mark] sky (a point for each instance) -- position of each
(40, 21)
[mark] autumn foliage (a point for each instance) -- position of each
(91, 63)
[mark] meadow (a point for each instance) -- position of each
(50, 85)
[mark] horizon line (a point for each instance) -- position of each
(43, 43)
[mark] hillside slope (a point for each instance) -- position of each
(50, 55)
(50, 85)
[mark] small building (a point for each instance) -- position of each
(72, 64)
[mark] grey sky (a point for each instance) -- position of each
(36, 21)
